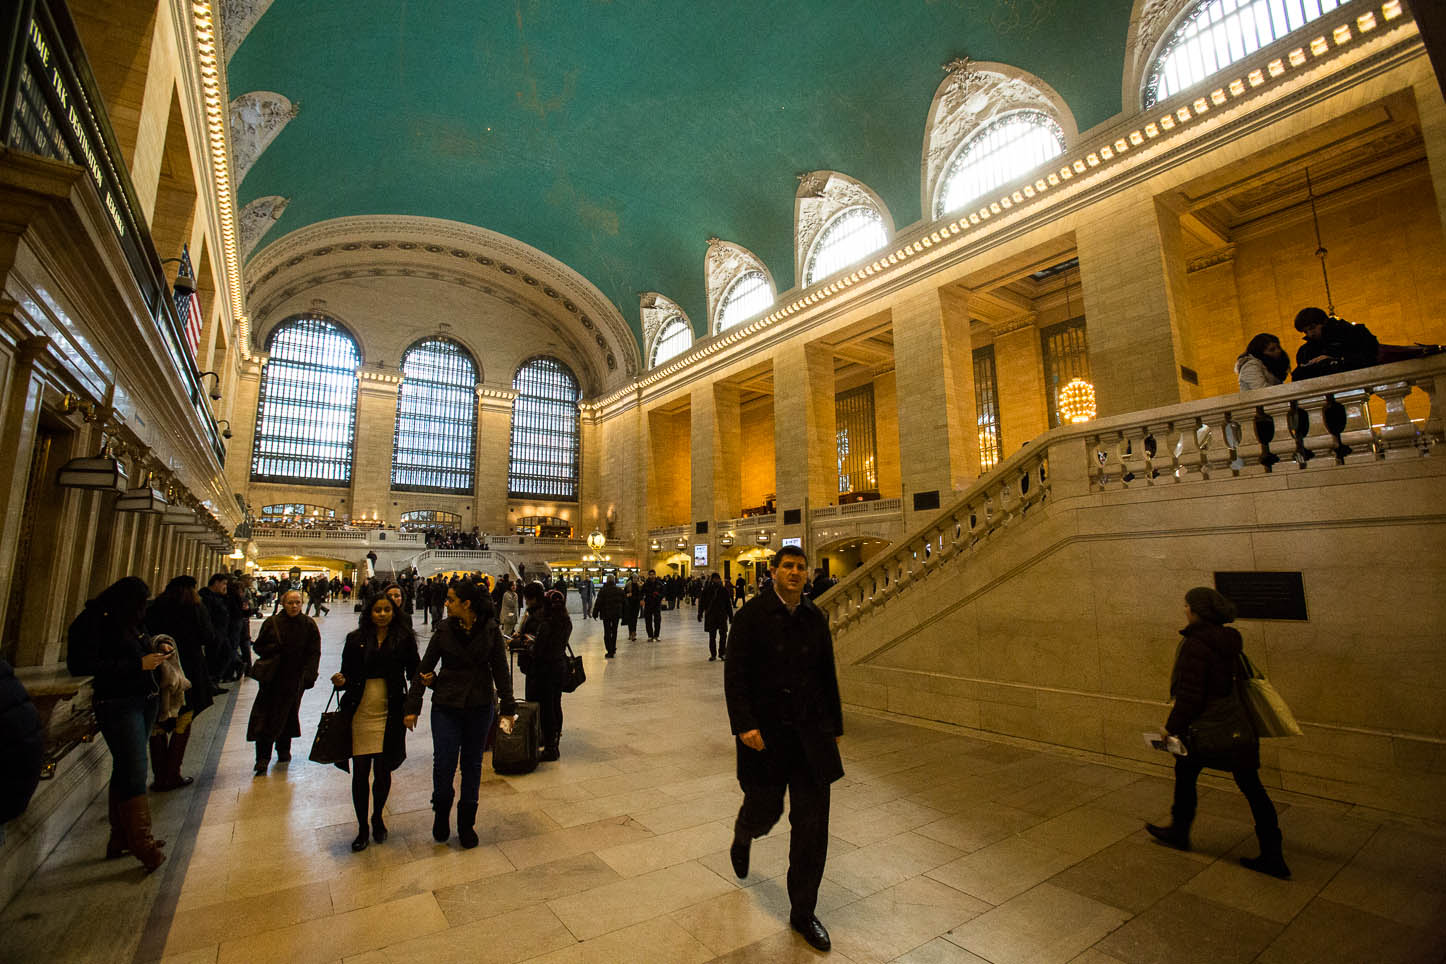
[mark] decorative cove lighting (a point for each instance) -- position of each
(1077, 401)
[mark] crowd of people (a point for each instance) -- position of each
(456, 539)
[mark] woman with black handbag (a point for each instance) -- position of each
(547, 628)
(473, 658)
(1211, 722)
(377, 662)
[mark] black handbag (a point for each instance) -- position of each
(575, 675)
(333, 734)
(1222, 728)
(264, 670)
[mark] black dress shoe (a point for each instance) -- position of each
(379, 830)
(360, 843)
(1170, 836)
(813, 932)
(738, 853)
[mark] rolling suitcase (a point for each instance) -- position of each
(521, 750)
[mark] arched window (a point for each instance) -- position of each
(544, 451)
(1217, 33)
(436, 419)
(674, 338)
(306, 416)
(746, 296)
(999, 152)
(852, 235)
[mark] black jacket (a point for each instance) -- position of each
(363, 659)
(189, 626)
(101, 649)
(779, 677)
(22, 746)
(549, 646)
(715, 605)
(472, 665)
(609, 603)
(1344, 345)
(1205, 670)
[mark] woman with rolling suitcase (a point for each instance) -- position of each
(548, 627)
(469, 646)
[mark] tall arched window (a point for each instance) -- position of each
(544, 451)
(674, 338)
(436, 419)
(1217, 33)
(852, 235)
(306, 416)
(999, 152)
(746, 296)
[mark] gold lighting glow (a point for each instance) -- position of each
(1077, 401)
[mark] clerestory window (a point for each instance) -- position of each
(306, 414)
(435, 440)
(852, 235)
(674, 338)
(747, 296)
(999, 152)
(1217, 33)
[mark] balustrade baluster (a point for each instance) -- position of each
(1400, 437)
(1277, 444)
(1131, 452)
(1211, 444)
(1316, 442)
(1359, 442)
(1435, 428)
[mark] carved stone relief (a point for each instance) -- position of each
(1149, 23)
(974, 94)
(237, 19)
(655, 310)
(724, 262)
(256, 118)
(257, 218)
(821, 195)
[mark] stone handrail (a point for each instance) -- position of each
(748, 522)
(670, 532)
(876, 507)
(477, 556)
(378, 537)
(1314, 425)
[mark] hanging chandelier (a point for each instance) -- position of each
(1077, 401)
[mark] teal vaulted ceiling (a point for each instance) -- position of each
(617, 135)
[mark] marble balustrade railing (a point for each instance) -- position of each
(1316, 425)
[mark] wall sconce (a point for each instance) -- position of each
(726, 540)
(215, 391)
(655, 546)
(185, 283)
(225, 432)
(763, 539)
(143, 498)
(682, 543)
(101, 472)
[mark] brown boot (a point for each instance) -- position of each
(160, 753)
(116, 846)
(136, 815)
(171, 778)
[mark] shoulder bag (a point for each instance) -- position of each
(264, 670)
(333, 734)
(575, 675)
(1269, 713)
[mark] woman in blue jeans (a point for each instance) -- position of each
(107, 642)
(468, 644)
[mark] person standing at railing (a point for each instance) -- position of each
(1332, 345)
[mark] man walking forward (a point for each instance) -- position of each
(784, 709)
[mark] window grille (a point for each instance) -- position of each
(544, 450)
(857, 448)
(1217, 33)
(1066, 356)
(986, 404)
(746, 296)
(435, 441)
(306, 416)
(674, 339)
(852, 235)
(279, 512)
(999, 152)
(430, 520)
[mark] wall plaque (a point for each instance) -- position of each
(924, 501)
(1264, 595)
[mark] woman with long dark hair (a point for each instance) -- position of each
(109, 644)
(547, 627)
(1262, 364)
(178, 613)
(377, 662)
(468, 644)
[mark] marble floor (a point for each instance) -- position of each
(946, 848)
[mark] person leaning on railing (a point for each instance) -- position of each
(1332, 345)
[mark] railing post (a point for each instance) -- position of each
(1359, 442)
(1315, 443)
(1400, 435)
(1211, 443)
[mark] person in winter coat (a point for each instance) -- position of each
(1206, 667)
(740, 589)
(1262, 364)
(377, 663)
(609, 608)
(294, 642)
(473, 658)
(653, 605)
(317, 594)
(507, 609)
(547, 627)
(220, 660)
(715, 609)
(22, 746)
(108, 643)
(178, 613)
(1332, 345)
(632, 605)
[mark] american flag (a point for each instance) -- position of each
(188, 307)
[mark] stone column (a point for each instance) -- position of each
(243, 425)
(371, 464)
(494, 440)
(934, 373)
(1131, 271)
(805, 435)
(1019, 370)
(19, 419)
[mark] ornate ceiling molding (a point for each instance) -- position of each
(655, 310)
(724, 262)
(256, 118)
(490, 259)
(237, 19)
(1150, 24)
(972, 95)
(257, 218)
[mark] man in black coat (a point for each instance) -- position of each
(609, 608)
(221, 657)
(1332, 345)
(784, 709)
(653, 605)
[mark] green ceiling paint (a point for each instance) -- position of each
(617, 136)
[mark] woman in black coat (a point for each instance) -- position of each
(715, 610)
(291, 639)
(378, 661)
(547, 627)
(469, 646)
(108, 643)
(632, 605)
(178, 613)
(1206, 668)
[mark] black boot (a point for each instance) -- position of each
(1271, 861)
(1175, 835)
(739, 852)
(466, 817)
(441, 819)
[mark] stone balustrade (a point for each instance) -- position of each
(1316, 425)
(350, 538)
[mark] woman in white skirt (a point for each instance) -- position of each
(378, 661)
